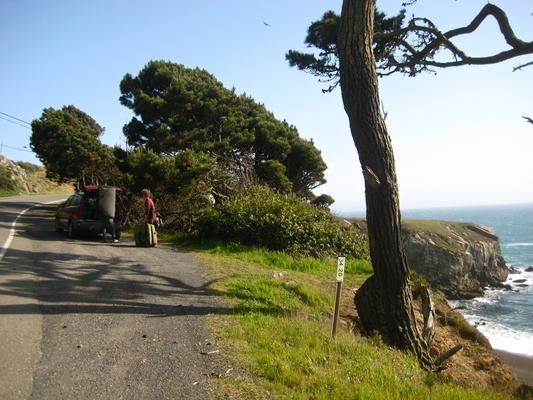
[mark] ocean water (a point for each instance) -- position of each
(504, 317)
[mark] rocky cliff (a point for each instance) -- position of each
(459, 259)
(32, 179)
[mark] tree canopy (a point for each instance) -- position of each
(405, 46)
(178, 108)
(322, 35)
(67, 143)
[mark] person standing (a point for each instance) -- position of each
(109, 222)
(106, 205)
(149, 206)
(145, 233)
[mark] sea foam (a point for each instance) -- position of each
(504, 338)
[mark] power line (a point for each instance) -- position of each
(13, 122)
(18, 119)
(15, 148)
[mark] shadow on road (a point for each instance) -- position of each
(74, 276)
(10, 211)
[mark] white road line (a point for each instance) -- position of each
(9, 239)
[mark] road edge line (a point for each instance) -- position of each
(12, 231)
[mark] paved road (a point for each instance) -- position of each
(10, 207)
(80, 319)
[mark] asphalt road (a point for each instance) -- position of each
(80, 319)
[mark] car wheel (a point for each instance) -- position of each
(58, 226)
(70, 229)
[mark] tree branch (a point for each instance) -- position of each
(503, 56)
(518, 68)
(409, 48)
(501, 19)
(417, 53)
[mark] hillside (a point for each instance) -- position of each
(26, 178)
(276, 340)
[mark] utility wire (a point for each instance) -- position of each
(13, 122)
(15, 148)
(18, 119)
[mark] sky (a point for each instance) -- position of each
(458, 136)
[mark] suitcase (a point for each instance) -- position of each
(145, 235)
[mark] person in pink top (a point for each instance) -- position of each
(149, 205)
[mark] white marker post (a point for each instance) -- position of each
(341, 262)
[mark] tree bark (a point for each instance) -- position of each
(384, 302)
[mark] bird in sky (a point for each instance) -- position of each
(266, 23)
(528, 119)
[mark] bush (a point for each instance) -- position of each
(29, 167)
(259, 216)
(7, 184)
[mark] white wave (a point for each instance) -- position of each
(455, 303)
(501, 337)
(485, 300)
(490, 296)
(521, 282)
(507, 339)
(520, 244)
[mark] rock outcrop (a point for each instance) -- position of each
(32, 181)
(459, 259)
(18, 174)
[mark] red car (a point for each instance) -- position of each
(81, 212)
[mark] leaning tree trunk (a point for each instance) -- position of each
(384, 302)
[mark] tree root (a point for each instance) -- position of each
(444, 356)
(428, 309)
(428, 334)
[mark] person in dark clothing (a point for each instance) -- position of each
(150, 214)
(106, 208)
(109, 223)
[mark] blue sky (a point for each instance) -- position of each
(458, 137)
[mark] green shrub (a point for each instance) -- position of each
(28, 166)
(259, 216)
(7, 184)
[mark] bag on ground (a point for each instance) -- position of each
(145, 235)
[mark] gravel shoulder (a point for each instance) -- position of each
(110, 321)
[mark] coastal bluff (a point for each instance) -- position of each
(459, 259)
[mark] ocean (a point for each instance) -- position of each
(505, 317)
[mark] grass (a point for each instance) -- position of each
(12, 194)
(462, 327)
(269, 259)
(439, 232)
(279, 335)
(34, 179)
